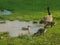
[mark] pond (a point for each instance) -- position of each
(15, 27)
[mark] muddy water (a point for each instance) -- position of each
(15, 28)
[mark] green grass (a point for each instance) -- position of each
(32, 10)
(29, 9)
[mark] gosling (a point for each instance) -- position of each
(41, 30)
(26, 29)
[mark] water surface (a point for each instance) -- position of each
(15, 27)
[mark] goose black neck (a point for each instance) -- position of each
(48, 11)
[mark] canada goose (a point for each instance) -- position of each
(41, 30)
(35, 22)
(48, 19)
(26, 29)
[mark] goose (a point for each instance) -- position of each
(26, 29)
(41, 30)
(48, 19)
(35, 22)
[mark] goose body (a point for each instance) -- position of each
(23, 28)
(26, 29)
(48, 18)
